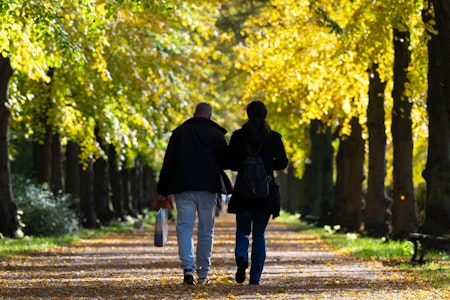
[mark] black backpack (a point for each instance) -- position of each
(254, 178)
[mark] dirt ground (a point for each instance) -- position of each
(128, 266)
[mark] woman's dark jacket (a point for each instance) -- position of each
(274, 157)
(195, 158)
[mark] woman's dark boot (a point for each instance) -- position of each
(242, 265)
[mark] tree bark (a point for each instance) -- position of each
(149, 186)
(376, 217)
(73, 168)
(349, 179)
(101, 191)
(319, 174)
(57, 179)
(8, 208)
(87, 201)
(404, 218)
(101, 186)
(291, 190)
(127, 195)
(42, 140)
(437, 170)
(135, 186)
(42, 157)
(115, 182)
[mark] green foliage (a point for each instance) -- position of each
(42, 213)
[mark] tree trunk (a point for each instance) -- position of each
(57, 180)
(314, 171)
(42, 141)
(73, 168)
(437, 170)
(101, 186)
(149, 186)
(135, 186)
(42, 157)
(126, 192)
(8, 208)
(101, 191)
(115, 182)
(291, 190)
(376, 218)
(319, 173)
(87, 201)
(327, 177)
(349, 179)
(307, 212)
(404, 218)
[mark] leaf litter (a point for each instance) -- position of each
(128, 266)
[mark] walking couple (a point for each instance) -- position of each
(192, 171)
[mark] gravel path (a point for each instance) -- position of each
(128, 266)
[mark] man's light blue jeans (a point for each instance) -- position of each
(189, 204)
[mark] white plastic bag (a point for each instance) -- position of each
(161, 227)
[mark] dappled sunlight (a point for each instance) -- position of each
(128, 266)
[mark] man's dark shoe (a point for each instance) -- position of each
(240, 273)
(253, 282)
(189, 277)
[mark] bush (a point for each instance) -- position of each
(42, 213)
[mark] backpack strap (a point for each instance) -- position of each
(249, 149)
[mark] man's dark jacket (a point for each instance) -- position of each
(274, 157)
(195, 159)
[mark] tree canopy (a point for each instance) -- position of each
(124, 73)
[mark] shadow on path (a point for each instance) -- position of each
(128, 266)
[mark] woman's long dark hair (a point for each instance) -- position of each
(256, 127)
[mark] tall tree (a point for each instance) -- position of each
(320, 182)
(376, 218)
(437, 171)
(101, 187)
(72, 168)
(404, 218)
(57, 179)
(348, 206)
(87, 201)
(8, 209)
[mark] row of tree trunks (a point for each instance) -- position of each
(8, 209)
(105, 192)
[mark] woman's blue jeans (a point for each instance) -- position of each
(190, 204)
(255, 223)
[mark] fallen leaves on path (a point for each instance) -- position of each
(128, 266)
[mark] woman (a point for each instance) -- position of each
(252, 215)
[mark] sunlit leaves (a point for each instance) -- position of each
(130, 68)
(309, 60)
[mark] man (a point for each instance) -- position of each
(192, 170)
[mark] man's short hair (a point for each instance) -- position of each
(203, 109)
